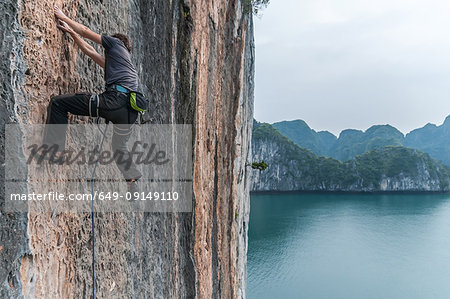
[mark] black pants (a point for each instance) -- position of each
(113, 106)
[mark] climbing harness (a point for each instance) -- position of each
(138, 100)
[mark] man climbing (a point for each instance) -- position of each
(112, 105)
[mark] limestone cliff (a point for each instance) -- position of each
(196, 61)
(292, 168)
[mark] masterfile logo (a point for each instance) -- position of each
(87, 166)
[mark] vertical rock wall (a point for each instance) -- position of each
(195, 60)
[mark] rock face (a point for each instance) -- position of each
(196, 61)
(292, 168)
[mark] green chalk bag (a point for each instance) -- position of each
(138, 101)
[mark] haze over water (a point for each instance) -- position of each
(349, 246)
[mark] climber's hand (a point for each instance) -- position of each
(58, 12)
(64, 27)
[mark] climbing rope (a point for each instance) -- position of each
(92, 203)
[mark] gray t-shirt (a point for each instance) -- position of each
(118, 67)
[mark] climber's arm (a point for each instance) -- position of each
(82, 44)
(89, 50)
(82, 30)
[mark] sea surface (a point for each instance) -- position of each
(349, 246)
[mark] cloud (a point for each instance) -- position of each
(347, 63)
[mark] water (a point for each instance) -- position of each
(349, 246)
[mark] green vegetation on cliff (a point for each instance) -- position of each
(301, 134)
(352, 142)
(431, 139)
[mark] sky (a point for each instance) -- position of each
(353, 63)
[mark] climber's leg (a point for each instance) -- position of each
(57, 114)
(60, 106)
(122, 156)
